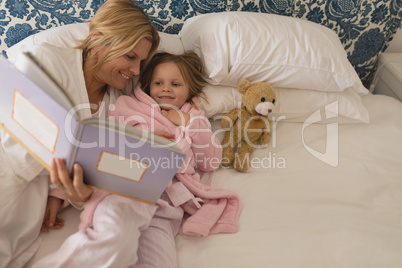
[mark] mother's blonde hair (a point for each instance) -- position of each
(121, 24)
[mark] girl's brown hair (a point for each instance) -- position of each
(190, 67)
(121, 24)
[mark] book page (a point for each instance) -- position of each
(36, 123)
(121, 166)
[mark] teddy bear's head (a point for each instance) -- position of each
(258, 98)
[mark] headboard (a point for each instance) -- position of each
(364, 27)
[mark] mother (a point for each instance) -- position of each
(121, 36)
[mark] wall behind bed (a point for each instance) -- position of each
(365, 27)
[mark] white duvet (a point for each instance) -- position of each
(322, 196)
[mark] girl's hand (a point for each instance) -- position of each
(74, 189)
(177, 117)
(50, 220)
(164, 134)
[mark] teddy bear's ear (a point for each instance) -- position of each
(243, 86)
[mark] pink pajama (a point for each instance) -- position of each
(125, 233)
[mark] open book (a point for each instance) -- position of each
(40, 115)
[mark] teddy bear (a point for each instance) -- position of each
(247, 127)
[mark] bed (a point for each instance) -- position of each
(327, 191)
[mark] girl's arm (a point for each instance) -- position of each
(50, 220)
(205, 145)
(177, 117)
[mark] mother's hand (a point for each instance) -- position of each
(74, 189)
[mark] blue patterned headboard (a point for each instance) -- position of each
(365, 27)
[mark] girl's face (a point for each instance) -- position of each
(117, 72)
(167, 86)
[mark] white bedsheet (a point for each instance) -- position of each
(301, 212)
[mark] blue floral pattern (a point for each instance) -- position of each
(365, 27)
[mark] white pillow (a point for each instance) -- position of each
(284, 51)
(292, 105)
(67, 36)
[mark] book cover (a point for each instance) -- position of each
(115, 157)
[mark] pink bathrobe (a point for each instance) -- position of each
(207, 211)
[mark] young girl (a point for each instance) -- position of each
(120, 231)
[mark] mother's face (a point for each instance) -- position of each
(117, 72)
